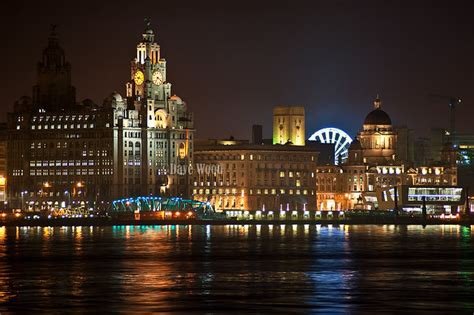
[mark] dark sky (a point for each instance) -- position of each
(232, 61)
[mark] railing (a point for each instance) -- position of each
(147, 204)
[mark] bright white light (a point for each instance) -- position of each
(336, 136)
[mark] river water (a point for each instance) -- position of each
(263, 268)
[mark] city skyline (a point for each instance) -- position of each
(265, 156)
(329, 84)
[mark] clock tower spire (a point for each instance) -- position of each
(148, 75)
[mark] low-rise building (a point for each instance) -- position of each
(255, 177)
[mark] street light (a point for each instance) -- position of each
(69, 198)
(23, 193)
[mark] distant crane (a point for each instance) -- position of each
(453, 102)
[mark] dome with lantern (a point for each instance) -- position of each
(377, 116)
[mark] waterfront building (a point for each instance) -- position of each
(258, 176)
(3, 168)
(418, 198)
(252, 177)
(64, 154)
(372, 164)
(377, 137)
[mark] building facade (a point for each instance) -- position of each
(372, 165)
(377, 137)
(3, 168)
(65, 154)
(255, 177)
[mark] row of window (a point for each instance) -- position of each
(228, 175)
(65, 145)
(258, 157)
(281, 191)
(61, 118)
(84, 171)
(159, 135)
(69, 163)
(266, 191)
(64, 126)
(68, 153)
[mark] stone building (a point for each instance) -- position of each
(259, 175)
(372, 165)
(62, 153)
(255, 177)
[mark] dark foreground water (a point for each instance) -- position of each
(267, 268)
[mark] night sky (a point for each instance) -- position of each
(232, 61)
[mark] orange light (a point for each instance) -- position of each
(47, 184)
(177, 214)
(4, 215)
(17, 215)
(79, 184)
(2, 181)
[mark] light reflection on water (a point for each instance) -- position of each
(340, 268)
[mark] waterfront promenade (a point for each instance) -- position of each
(107, 221)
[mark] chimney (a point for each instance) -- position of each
(257, 134)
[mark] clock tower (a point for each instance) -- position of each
(166, 127)
(147, 86)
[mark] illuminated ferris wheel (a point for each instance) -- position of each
(337, 136)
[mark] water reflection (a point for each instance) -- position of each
(266, 268)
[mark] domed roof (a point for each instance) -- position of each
(377, 117)
(115, 95)
(355, 145)
(176, 98)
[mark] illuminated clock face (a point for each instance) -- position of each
(138, 77)
(157, 77)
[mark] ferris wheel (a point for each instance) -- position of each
(337, 136)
